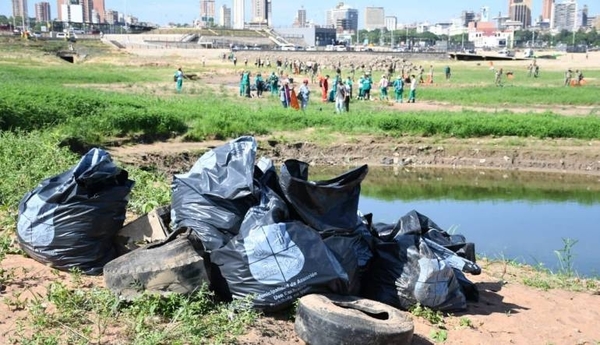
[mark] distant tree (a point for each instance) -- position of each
(4, 20)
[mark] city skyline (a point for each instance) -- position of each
(284, 12)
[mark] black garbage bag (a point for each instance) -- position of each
(416, 223)
(406, 272)
(410, 268)
(69, 221)
(331, 208)
(276, 260)
(213, 197)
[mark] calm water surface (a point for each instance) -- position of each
(520, 216)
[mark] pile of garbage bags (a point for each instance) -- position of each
(267, 236)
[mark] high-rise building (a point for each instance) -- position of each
(582, 17)
(374, 18)
(111, 17)
(239, 14)
(260, 12)
(547, 10)
(300, 20)
(92, 11)
(72, 12)
(564, 16)
(100, 11)
(391, 22)
(20, 8)
(343, 18)
(42, 12)
(485, 14)
(207, 13)
(225, 16)
(466, 17)
(520, 11)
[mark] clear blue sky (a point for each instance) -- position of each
(284, 11)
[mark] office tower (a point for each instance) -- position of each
(225, 16)
(466, 17)
(520, 11)
(99, 8)
(260, 11)
(300, 20)
(374, 18)
(391, 22)
(547, 10)
(343, 18)
(20, 8)
(207, 13)
(564, 16)
(42, 12)
(239, 14)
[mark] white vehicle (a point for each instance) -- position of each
(505, 52)
(528, 53)
(311, 48)
(289, 47)
(341, 48)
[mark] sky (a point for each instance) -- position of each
(185, 11)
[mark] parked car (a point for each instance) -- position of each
(288, 47)
(311, 48)
(506, 52)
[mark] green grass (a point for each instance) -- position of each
(76, 312)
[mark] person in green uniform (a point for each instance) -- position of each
(398, 89)
(367, 82)
(178, 79)
(258, 81)
(274, 83)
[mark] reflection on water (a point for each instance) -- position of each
(522, 216)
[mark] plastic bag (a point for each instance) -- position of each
(410, 268)
(331, 208)
(213, 197)
(69, 221)
(276, 260)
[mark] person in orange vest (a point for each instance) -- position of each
(324, 83)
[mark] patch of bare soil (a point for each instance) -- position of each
(508, 312)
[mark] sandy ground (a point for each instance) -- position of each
(508, 312)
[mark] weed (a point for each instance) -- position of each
(465, 322)
(16, 303)
(434, 317)
(438, 335)
(565, 257)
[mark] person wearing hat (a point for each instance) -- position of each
(304, 94)
(398, 89)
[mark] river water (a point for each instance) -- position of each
(526, 217)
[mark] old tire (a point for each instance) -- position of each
(171, 266)
(335, 320)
